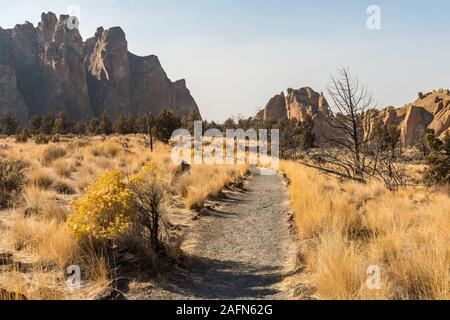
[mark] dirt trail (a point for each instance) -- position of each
(243, 248)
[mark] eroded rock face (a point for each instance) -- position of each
(276, 108)
(108, 72)
(56, 71)
(305, 101)
(10, 98)
(152, 91)
(296, 104)
(430, 110)
(48, 63)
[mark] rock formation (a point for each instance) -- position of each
(56, 71)
(431, 110)
(10, 98)
(295, 105)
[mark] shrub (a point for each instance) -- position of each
(106, 149)
(8, 124)
(63, 167)
(22, 136)
(36, 199)
(62, 187)
(438, 171)
(166, 124)
(41, 179)
(51, 154)
(148, 193)
(11, 181)
(41, 139)
(106, 211)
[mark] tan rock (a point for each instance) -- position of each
(296, 104)
(430, 110)
(276, 108)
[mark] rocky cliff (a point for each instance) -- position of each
(430, 110)
(296, 104)
(48, 69)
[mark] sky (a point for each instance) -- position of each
(236, 54)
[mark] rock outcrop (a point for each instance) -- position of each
(430, 110)
(11, 100)
(56, 71)
(296, 104)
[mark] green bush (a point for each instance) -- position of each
(41, 139)
(11, 181)
(438, 171)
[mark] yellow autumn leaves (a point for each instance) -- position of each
(107, 210)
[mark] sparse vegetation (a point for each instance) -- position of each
(11, 181)
(204, 181)
(345, 227)
(44, 180)
(438, 158)
(51, 154)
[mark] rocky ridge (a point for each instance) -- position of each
(48, 69)
(430, 110)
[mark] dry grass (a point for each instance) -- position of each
(41, 179)
(56, 174)
(108, 149)
(347, 227)
(204, 181)
(64, 167)
(52, 153)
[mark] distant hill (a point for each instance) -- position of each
(430, 110)
(48, 69)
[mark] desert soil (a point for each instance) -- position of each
(242, 248)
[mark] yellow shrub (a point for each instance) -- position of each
(150, 171)
(105, 212)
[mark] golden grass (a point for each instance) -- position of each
(61, 172)
(347, 227)
(64, 167)
(36, 198)
(204, 181)
(41, 179)
(105, 149)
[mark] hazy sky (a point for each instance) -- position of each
(235, 55)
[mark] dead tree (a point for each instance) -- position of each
(345, 143)
(149, 212)
(150, 122)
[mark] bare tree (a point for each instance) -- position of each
(346, 142)
(357, 144)
(151, 121)
(149, 212)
